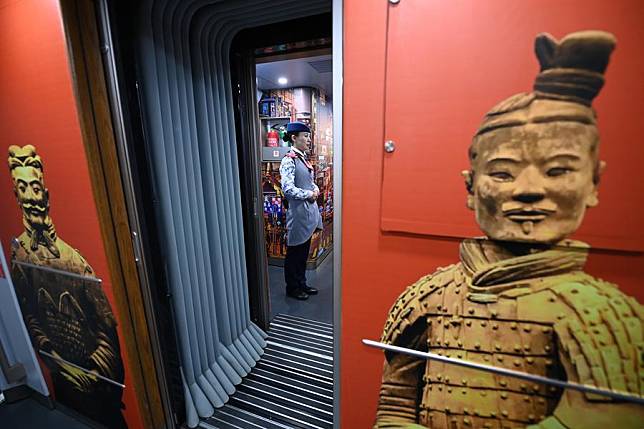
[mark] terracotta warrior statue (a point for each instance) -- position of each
(68, 316)
(519, 297)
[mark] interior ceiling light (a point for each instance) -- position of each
(282, 81)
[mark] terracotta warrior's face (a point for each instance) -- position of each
(533, 183)
(31, 194)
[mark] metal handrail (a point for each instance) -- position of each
(622, 396)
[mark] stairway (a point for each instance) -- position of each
(292, 385)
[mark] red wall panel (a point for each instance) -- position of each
(37, 107)
(467, 57)
(377, 265)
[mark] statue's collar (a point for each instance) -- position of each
(45, 237)
(490, 265)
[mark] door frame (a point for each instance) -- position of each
(243, 58)
(88, 54)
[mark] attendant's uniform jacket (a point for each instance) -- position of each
(302, 216)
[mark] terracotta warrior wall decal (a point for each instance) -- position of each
(68, 316)
(519, 298)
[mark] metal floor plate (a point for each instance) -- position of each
(291, 387)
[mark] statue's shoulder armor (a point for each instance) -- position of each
(413, 303)
(602, 334)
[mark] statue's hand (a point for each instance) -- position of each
(82, 380)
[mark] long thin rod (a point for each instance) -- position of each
(509, 372)
(42, 352)
(56, 271)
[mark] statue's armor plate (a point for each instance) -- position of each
(598, 328)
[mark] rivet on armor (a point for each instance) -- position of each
(549, 362)
(574, 291)
(547, 348)
(517, 348)
(438, 307)
(503, 383)
(466, 421)
(541, 401)
(425, 304)
(470, 310)
(444, 309)
(561, 316)
(460, 343)
(477, 345)
(439, 377)
(446, 326)
(532, 417)
(486, 358)
(552, 299)
(504, 395)
(466, 411)
(493, 313)
(446, 342)
(440, 291)
(484, 324)
(526, 398)
(464, 392)
(492, 414)
(446, 379)
(526, 347)
(447, 409)
(468, 322)
(527, 328)
(596, 331)
(523, 386)
(513, 325)
(477, 413)
(449, 390)
(487, 426)
(499, 358)
(459, 355)
(497, 346)
(545, 330)
(517, 362)
(440, 387)
(439, 320)
(530, 360)
(457, 291)
(535, 387)
(495, 326)
(429, 322)
(464, 381)
(504, 413)
(483, 393)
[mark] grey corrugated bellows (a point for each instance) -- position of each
(183, 48)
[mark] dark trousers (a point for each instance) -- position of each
(295, 265)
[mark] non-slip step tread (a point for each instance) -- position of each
(290, 387)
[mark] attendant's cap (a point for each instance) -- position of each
(297, 127)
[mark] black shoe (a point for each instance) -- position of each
(310, 290)
(297, 294)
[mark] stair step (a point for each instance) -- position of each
(291, 387)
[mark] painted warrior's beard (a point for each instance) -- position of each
(35, 212)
